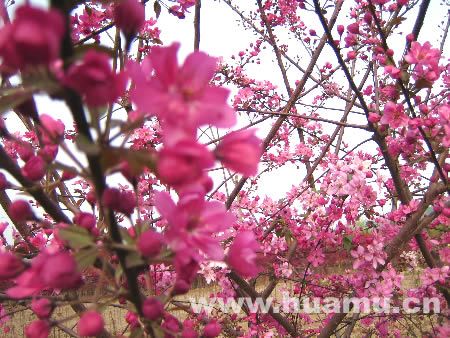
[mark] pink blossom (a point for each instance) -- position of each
(422, 54)
(129, 16)
(42, 307)
(240, 151)
(60, 271)
(32, 39)
(91, 324)
(150, 243)
(181, 96)
(152, 308)
(183, 162)
(10, 265)
(20, 211)
(37, 329)
(52, 130)
(193, 224)
(394, 116)
(212, 329)
(120, 201)
(94, 79)
(35, 168)
(242, 254)
(85, 220)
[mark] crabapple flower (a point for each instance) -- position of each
(181, 96)
(10, 265)
(242, 254)
(394, 116)
(37, 329)
(32, 39)
(422, 54)
(94, 79)
(150, 243)
(120, 201)
(212, 329)
(91, 324)
(52, 130)
(60, 271)
(152, 308)
(193, 224)
(240, 151)
(20, 211)
(35, 168)
(129, 16)
(183, 162)
(85, 220)
(42, 307)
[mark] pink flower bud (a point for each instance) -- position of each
(25, 151)
(20, 211)
(33, 38)
(94, 79)
(34, 169)
(49, 152)
(91, 324)
(353, 28)
(60, 271)
(242, 254)
(374, 117)
(183, 162)
(85, 220)
(212, 329)
(132, 319)
(42, 307)
(351, 55)
(240, 151)
(340, 29)
(150, 243)
(129, 16)
(52, 130)
(10, 265)
(121, 201)
(37, 329)
(152, 308)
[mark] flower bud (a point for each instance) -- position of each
(152, 308)
(91, 324)
(20, 211)
(150, 243)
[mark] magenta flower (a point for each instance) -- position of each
(10, 265)
(42, 307)
(120, 201)
(52, 130)
(32, 39)
(212, 329)
(422, 54)
(394, 116)
(37, 329)
(94, 79)
(181, 96)
(183, 163)
(60, 271)
(152, 308)
(240, 151)
(193, 224)
(20, 211)
(150, 243)
(35, 168)
(242, 254)
(91, 324)
(129, 16)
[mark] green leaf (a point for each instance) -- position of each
(77, 237)
(86, 257)
(347, 243)
(157, 8)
